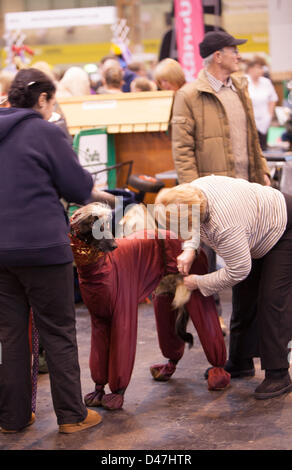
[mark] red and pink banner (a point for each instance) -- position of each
(189, 26)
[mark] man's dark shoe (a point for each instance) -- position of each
(273, 387)
(244, 369)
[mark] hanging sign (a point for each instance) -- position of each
(189, 26)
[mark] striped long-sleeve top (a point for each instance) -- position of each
(243, 221)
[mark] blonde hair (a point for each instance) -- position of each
(45, 68)
(75, 82)
(142, 84)
(183, 194)
(170, 70)
(6, 78)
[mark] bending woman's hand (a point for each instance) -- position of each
(185, 261)
(190, 282)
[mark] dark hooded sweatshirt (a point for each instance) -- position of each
(37, 168)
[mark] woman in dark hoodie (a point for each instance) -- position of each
(37, 168)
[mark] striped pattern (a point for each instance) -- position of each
(244, 221)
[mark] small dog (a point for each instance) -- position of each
(114, 277)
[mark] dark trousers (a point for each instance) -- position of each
(212, 266)
(263, 140)
(261, 321)
(48, 290)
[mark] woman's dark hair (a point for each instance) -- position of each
(27, 86)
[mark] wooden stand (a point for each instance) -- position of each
(139, 121)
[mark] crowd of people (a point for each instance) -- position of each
(216, 148)
(112, 75)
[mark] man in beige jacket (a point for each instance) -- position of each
(213, 127)
(214, 132)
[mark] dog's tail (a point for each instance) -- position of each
(182, 296)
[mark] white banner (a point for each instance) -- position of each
(280, 35)
(59, 18)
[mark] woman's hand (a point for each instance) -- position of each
(190, 282)
(185, 261)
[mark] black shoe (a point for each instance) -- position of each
(245, 369)
(273, 387)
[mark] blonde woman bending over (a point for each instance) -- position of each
(250, 227)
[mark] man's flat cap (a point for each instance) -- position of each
(216, 40)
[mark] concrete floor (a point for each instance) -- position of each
(179, 415)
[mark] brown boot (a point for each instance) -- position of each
(93, 418)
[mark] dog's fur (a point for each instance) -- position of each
(136, 218)
(82, 224)
(139, 218)
(173, 284)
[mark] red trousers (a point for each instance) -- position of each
(203, 313)
(112, 288)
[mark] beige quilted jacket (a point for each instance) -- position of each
(200, 133)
